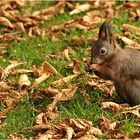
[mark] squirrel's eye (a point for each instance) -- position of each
(103, 51)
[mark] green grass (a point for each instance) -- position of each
(19, 118)
(34, 51)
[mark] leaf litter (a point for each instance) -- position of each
(62, 89)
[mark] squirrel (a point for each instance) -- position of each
(111, 62)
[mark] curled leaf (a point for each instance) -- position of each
(65, 54)
(64, 80)
(129, 43)
(69, 129)
(112, 106)
(107, 124)
(23, 83)
(133, 110)
(9, 68)
(80, 8)
(75, 66)
(4, 86)
(42, 78)
(6, 22)
(20, 26)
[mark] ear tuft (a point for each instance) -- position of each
(106, 31)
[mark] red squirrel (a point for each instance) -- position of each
(111, 62)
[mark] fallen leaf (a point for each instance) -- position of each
(68, 129)
(51, 68)
(20, 26)
(93, 20)
(6, 22)
(22, 71)
(128, 42)
(132, 110)
(77, 41)
(17, 136)
(106, 86)
(64, 80)
(67, 94)
(9, 68)
(112, 106)
(75, 66)
(51, 106)
(50, 91)
(65, 54)
(80, 8)
(50, 115)
(42, 78)
(23, 83)
(117, 134)
(39, 119)
(107, 124)
(87, 137)
(51, 10)
(4, 86)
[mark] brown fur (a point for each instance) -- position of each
(117, 64)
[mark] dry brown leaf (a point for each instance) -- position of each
(80, 8)
(112, 106)
(64, 80)
(107, 124)
(67, 94)
(132, 110)
(51, 10)
(4, 86)
(20, 26)
(44, 68)
(67, 129)
(82, 126)
(77, 41)
(7, 99)
(9, 68)
(128, 27)
(22, 71)
(50, 115)
(6, 22)
(65, 54)
(87, 137)
(75, 66)
(86, 60)
(51, 111)
(40, 127)
(10, 14)
(50, 91)
(91, 19)
(23, 83)
(117, 134)
(128, 42)
(51, 68)
(17, 136)
(39, 119)
(52, 106)
(60, 95)
(42, 78)
(106, 86)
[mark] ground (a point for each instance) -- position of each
(54, 43)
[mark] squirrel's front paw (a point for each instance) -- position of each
(88, 68)
(94, 67)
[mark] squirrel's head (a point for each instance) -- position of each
(104, 47)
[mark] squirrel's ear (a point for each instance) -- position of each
(106, 32)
